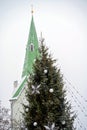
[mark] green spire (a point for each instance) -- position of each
(31, 50)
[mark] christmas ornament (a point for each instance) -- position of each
(51, 90)
(26, 109)
(45, 71)
(63, 122)
(35, 123)
(35, 89)
(34, 60)
(50, 126)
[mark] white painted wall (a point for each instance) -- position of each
(17, 108)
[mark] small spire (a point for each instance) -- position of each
(41, 38)
(41, 35)
(32, 11)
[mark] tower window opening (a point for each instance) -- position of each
(31, 47)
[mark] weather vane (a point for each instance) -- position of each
(32, 11)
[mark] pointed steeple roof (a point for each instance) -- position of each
(31, 50)
(31, 54)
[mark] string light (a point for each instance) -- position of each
(85, 100)
(82, 106)
(77, 103)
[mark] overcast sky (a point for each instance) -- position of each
(64, 27)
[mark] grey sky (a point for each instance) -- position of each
(64, 27)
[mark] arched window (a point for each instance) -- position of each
(31, 47)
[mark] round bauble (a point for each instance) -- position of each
(63, 122)
(35, 123)
(34, 60)
(26, 109)
(45, 71)
(51, 90)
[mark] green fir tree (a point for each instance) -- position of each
(47, 107)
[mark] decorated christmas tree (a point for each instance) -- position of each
(47, 107)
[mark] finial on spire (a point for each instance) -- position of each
(32, 11)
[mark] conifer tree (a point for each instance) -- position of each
(47, 107)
